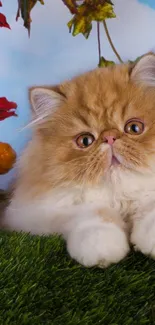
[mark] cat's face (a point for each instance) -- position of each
(101, 121)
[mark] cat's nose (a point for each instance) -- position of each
(109, 139)
(110, 136)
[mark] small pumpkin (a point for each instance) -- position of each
(7, 157)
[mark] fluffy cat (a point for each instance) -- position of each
(89, 171)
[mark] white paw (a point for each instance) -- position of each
(99, 245)
(143, 236)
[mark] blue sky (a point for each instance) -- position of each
(52, 54)
(150, 3)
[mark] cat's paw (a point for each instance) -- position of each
(143, 236)
(100, 245)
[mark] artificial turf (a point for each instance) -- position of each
(40, 284)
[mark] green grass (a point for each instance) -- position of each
(40, 284)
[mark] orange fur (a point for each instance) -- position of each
(84, 193)
(97, 101)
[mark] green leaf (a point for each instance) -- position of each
(135, 61)
(103, 63)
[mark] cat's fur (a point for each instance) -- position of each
(99, 207)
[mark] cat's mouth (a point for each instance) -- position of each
(114, 158)
(114, 161)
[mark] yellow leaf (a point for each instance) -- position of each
(102, 12)
(80, 25)
(88, 12)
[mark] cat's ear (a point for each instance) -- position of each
(44, 101)
(143, 72)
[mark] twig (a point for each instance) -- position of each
(98, 40)
(111, 43)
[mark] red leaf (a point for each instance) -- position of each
(0, 4)
(3, 21)
(7, 108)
(5, 104)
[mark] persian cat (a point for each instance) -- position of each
(89, 171)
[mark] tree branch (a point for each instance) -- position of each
(111, 43)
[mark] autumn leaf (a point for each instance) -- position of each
(71, 5)
(130, 61)
(80, 24)
(95, 2)
(88, 12)
(135, 61)
(24, 10)
(7, 108)
(105, 63)
(0, 4)
(3, 21)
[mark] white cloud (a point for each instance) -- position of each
(132, 30)
(59, 51)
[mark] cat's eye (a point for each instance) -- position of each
(85, 140)
(134, 127)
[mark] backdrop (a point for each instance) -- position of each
(52, 54)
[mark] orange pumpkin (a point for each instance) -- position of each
(7, 157)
